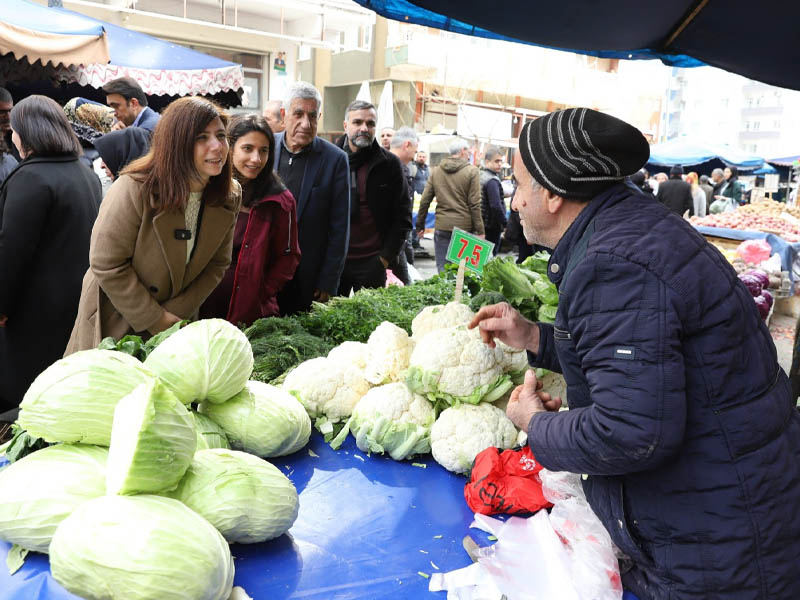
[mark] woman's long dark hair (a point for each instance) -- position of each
(268, 182)
(167, 169)
(734, 173)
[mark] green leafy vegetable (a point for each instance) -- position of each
(486, 298)
(546, 292)
(262, 419)
(73, 400)
(547, 313)
(209, 434)
(152, 441)
(537, 262)
(38, 491)
(16, 558)
(135, 346)
(208, 360)
(280, 344)
(140, 548)
(246, 498)
(21, 444)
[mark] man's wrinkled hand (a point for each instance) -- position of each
(527, 400)
(502, 322)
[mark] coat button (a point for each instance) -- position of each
(154, 289)
(554, 268)
(247, 245)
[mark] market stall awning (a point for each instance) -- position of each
(785, 161)
(161, 68)
(34, 33)
(682, 33)
(686, 152)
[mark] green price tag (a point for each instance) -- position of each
(475, 250)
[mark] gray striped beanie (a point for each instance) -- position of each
(579, 152)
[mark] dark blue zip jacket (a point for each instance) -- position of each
(679, 413)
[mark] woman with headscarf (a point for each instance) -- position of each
(163, 238)
(266, 251)
(48, 205)
(118, 148)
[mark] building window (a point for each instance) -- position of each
(756, 125)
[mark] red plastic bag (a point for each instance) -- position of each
(505, 482)
(754, 252)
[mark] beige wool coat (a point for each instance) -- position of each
(138, 269)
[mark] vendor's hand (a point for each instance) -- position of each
(117, 126)
(384, 262)
(527, 399)
(420, 233)
(500, 321)
(480, 235)
(321, 296)
(166, 321)
(3, 320)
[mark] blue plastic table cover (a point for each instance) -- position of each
(367, 527)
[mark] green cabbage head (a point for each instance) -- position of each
(40, 490)
(245, 497)
(152, 442)
(209, 434)
(140, 548)
(73, 400)
(263, 420)
(208, 360)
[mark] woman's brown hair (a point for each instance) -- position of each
(167, 169)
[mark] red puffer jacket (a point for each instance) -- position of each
(268, 258)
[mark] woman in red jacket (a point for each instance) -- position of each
(265, 248)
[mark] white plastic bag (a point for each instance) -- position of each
(592, 557)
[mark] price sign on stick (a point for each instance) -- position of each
(475, 250)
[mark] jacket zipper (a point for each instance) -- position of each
(288, 249)
(561, 334)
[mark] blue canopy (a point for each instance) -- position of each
(36, 33)
(681, 33)
(686, 152)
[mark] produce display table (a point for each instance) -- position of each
(788, 251)
(365, 530)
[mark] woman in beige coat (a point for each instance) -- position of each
(163, 238)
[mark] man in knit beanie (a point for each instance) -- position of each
(680, 420)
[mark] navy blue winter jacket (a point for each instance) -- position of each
(679, 413)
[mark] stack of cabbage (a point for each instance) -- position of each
(140, 495)
(389, 391)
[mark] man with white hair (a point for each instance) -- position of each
(456, 185)
(317, 174)
(404, 146)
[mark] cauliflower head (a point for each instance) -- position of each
(461, 432)
(440, 316)
(514, 361)
(389, 349)
(326, 389)
(453, 365)
(392, 419)
(351, 353)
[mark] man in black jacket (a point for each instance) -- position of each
(380, 212)
(675, 193)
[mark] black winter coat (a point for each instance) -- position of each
(680, 418)
(47, 208)
(676, 195)
(387, 197)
